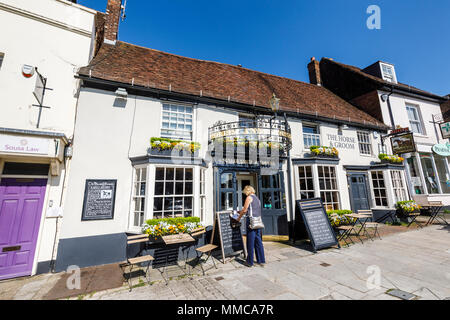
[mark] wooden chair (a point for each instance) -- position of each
(206, 249)
(138, 259)
(370, 224)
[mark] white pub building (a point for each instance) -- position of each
(290, 140)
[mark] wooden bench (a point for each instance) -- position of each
(206, 249)
(138, 259)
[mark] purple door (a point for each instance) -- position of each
(21, 202)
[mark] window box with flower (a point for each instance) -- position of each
(170, 147)
(324, 152)
(386, 158)
(157, 228)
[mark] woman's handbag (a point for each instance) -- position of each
(255, 222)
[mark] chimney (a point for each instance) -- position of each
(113, 11)
(314, 72)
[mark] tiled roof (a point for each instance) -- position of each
(372, 82)
(131, 64)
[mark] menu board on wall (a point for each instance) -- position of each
(99, 200)
(316, 221)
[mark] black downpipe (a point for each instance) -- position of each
(390, 108)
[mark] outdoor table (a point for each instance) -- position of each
(435, 209)
(179, 240)
(361, 218)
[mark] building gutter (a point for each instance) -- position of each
(61, 136)
(414, 94)
(160, 93)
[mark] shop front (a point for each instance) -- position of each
(429, 174)
(30, 186)
(252, 152)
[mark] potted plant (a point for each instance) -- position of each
(170, 147)
(405, 209)
(386, 158)
(322, 151)
(157, 228)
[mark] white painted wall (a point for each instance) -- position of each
(56, 37)
(106, 137)
(400, 115)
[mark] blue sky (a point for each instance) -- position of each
(280, 37)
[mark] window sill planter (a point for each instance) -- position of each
(324, 152)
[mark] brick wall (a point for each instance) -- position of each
(113, 11)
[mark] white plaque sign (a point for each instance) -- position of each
(16, 144)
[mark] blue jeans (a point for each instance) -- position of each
(254, 244)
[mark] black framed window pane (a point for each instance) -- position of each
(267, 200)
(266, 182)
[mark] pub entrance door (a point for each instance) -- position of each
(269, 189)
(359, 196)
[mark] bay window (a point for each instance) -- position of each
(398, 186)
(139, 192)
(319, 181)
(379, 188)
(174, 194)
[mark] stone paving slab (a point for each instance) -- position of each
(416, 261)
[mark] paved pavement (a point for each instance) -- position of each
(417, 261)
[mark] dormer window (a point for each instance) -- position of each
(388, 73)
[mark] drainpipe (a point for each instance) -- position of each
(289, 176)
(390, 108)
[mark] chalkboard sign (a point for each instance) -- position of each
(227, 237)
(317, 224)
(99, 200)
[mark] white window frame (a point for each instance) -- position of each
(300, 190)
(386, 76)
(132, 211)
(367, 144)
(156, 166)
(192, 131)
(419, 121)
(373, 188)
(311, 136)
(315, 173)
(202, 192)
(396, 188)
